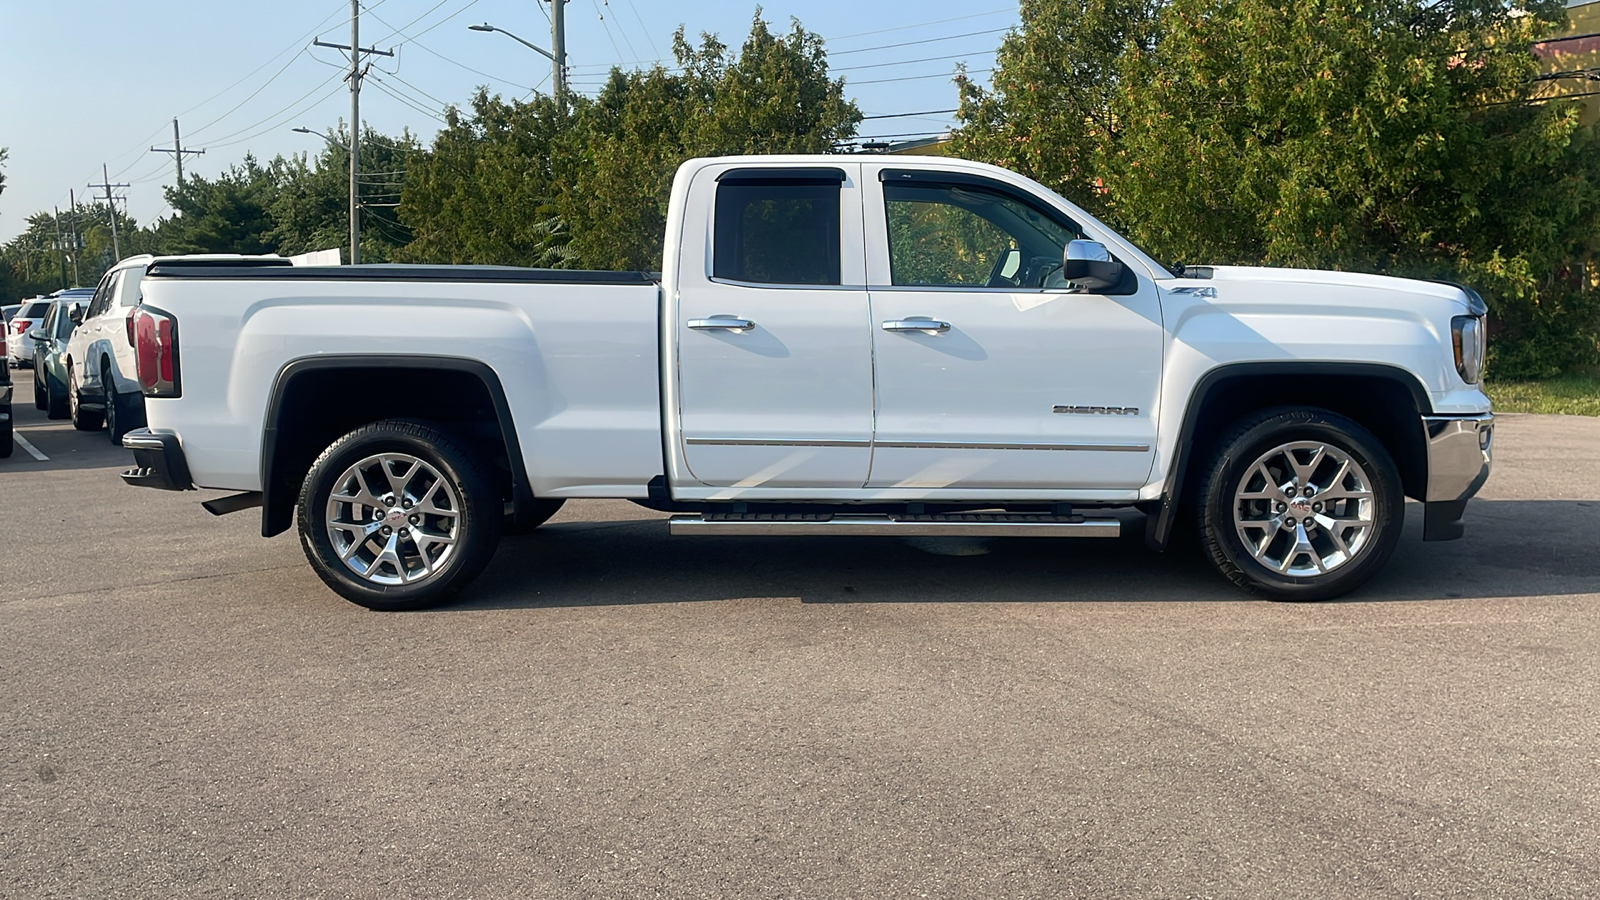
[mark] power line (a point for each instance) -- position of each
(280, 120)
(607, 28)
(223, 140)
(845, 37)
(926, 112)
(907, 62)
(644, 30)
(948, 37)
(252, 94)
(920, 77)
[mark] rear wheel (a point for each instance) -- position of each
(40, 401)
(82, 419)
(1300, 504)
(55, 399)
(398, 515)
(122, 410)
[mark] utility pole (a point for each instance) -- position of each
(355, 49)
(116, 247)
(558, 43)
(77, 242)
(177, 151)
(59, 257)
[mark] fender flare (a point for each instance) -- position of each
(277, 510)
(1162, 513)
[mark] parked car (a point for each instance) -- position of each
(6, 443)
(102, 385)
(29, 316)
(835, 345)
(6, 312)
(49, 353)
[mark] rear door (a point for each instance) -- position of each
(774, 356)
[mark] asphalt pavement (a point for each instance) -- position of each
(186, 711)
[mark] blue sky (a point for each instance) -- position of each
(87, 83)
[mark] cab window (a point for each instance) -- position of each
(967, 235)
(102, 296)
(777, 231)
(128, 287)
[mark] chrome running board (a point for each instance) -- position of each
(952, 524)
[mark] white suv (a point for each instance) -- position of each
(102, 377)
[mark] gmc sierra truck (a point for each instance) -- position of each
(834, 345)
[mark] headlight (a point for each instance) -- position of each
(1469, 339)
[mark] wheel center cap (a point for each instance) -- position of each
(1300, 505)
(396, 518)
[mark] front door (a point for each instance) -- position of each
(772, 332)
(992, 373)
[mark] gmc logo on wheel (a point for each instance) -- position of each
(1097, 410)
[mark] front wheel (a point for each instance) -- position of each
(1300, 504)
(398, 515)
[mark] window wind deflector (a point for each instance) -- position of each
(935, 176)
(773, 175)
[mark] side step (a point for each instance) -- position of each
(966, 524)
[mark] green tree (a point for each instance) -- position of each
(231, 213)
(526, 184)
(483, 193)
(774, 96)
(312, 208)
(1395, 136)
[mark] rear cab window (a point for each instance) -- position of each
(778, 227)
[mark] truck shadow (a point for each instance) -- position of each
(1512, 548)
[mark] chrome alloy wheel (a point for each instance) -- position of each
(393, 519)
(1304, 509)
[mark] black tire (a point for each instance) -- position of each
(82, 419)
(539, 513)
(7, 443)
(123, 412)
(477, 520)
(40, 401)
(1232, 471)
(56, 406)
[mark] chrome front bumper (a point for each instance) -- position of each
(1460, 455)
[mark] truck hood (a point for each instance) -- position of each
(1261, 277)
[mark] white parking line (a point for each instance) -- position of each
(32, 450)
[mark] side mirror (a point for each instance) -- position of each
(38, 336)
(1088, 264)
(75, 313)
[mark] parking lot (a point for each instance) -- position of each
(185, 709)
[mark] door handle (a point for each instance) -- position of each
(733, 323)
(916, 323)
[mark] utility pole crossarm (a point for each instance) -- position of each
(177, 150)
(368, 50)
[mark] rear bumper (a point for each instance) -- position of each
(1460, 456)
(158, 461)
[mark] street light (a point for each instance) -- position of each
(320, 135)
(557, 59)
(534, 47)
(355, 223)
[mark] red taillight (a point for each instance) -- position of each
(155, 345)
(129, 323)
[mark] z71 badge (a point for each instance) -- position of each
(1097, 410)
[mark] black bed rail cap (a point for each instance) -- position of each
(399, 272)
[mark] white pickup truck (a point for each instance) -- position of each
(834, 345)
